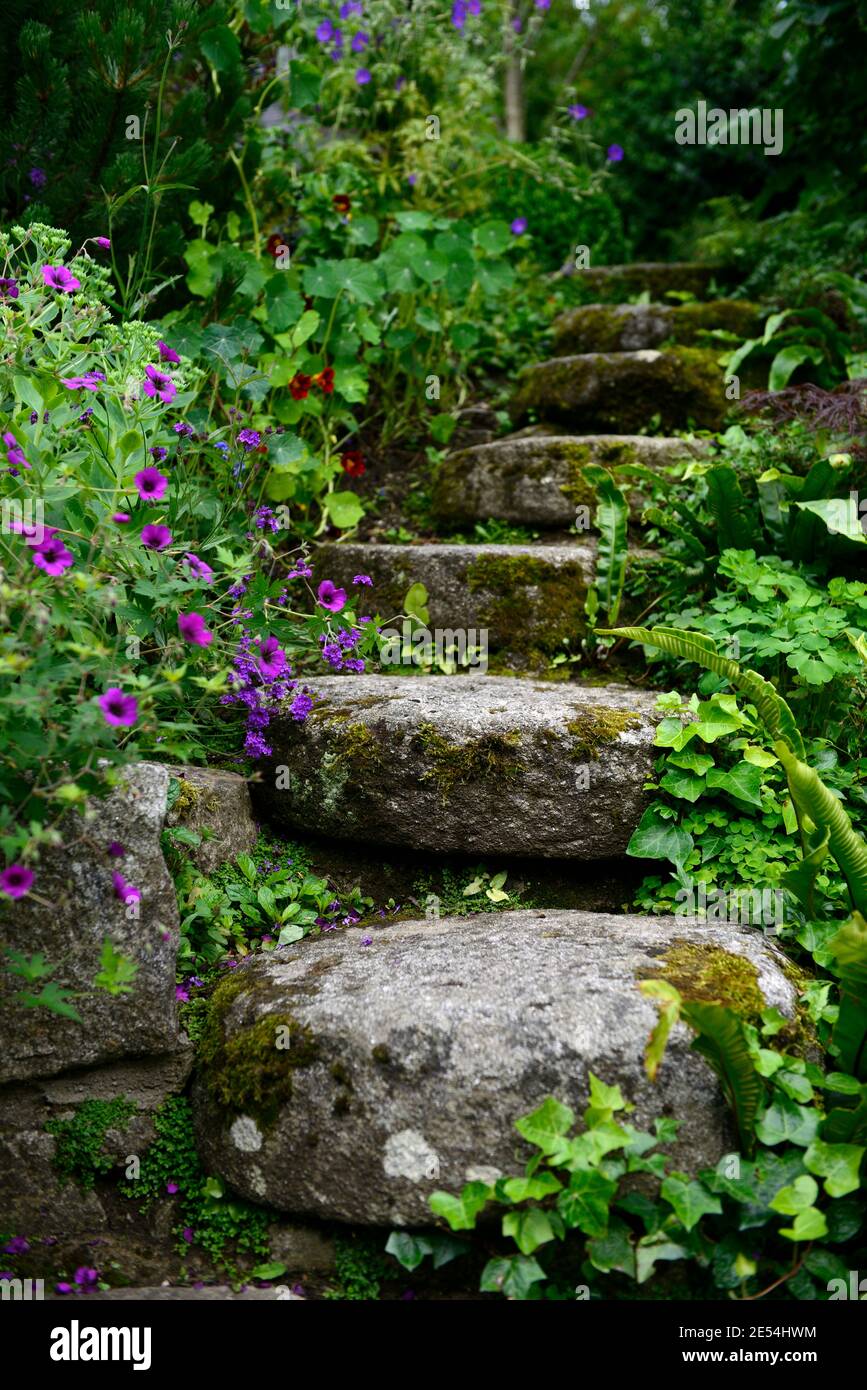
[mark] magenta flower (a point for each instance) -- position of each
(271, 659)
(16, 880)
(578, 112)
(330, 597)
(119, 710)
(159, 385)
(86, 1278)
(91, 381)
(614, 154)
(171, 1188)
(182, 996)
(63, 1287)
(52, 557)
(116, 850)
(198, 569)
(519, 226)
(127, 892)
(57, 277)
(362, 76)
(121, 518)
(8, 288)
(14, 452)
(156, 537)
(193, 629)
(151, 484)
(102, 241)
(167, 354)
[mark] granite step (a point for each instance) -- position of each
(633, 327)
(613, 283)
(471, 765)
(624, 392)
(537, 479)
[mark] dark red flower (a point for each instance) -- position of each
(325, 380)
(274, 242)
(352, 462)
(300, 386)
(342, 202)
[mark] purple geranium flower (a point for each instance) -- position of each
(351, 7)
(119, 710)
(519, 226)
(121, 517)
(16, 880)
(38, 178)
(91, 381)
(271, 660)
(362, 76)
(359, 42)
(171, 1188)
(459, 13)
(198, 569)
(614, 154)
(86, 1278)
(167, 354)
(52, 557)
(8, 288)
(578, 112)
(155, 537)
(57, 277)
(151, 484)
(325, 31)
(159, 385)
(193, 629)
(103, 242)
(14, 454)
(330, 597)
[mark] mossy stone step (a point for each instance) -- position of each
(529, 599)
(537, 479)
(612, 283)
(465, 764)
(631, 327)
(423, 1043)
(623, 392)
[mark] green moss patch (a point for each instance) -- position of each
(711, 975)
(493, 756)
(593, 729)
(530, 607)
(78, 1151)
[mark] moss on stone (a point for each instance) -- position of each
(380, 1054)
(493, 756)
(530, 606)
(247, 1072)
(592, 729)
(711, 975)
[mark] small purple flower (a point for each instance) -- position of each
(301, 707)
(38, 178)
(578, 112)
(330, 597)
(362, 76)
(103, 242)
(171, 1188)
(159, 385)
(183, 428)
(121, 518)
(167, 354)
(119, 710)
(517, 24)
(116, 850)
(86, 1278)
(62, 1288)
(194, 630)
(351, 7)
(155, 537)
(399, 83)
(543, 4)
(127, 892)
(182, 996)
(198, 569)
(250, 439)
(8, 288)
(91, 381)
(325, 31)
(363, 579)
(15, 454)
(57, 277)
(412, 180)
(367, 941)
(16, 880)
(519, 226)
(151, 484)
(359, 42)
(614, 154)
(459, 14)
(187, 1234)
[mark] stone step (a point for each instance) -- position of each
(622, 392)
(537, 479)
(528, 598)
(610, 283)
(469, 765)
(631, 327)
(414, 1048)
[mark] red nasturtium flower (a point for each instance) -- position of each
(342, 202)
(274, 242)
(300, 386)
(352, 462)
(325, 380)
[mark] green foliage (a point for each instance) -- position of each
(78, 1142)
(208, 1217)
(360, 1268)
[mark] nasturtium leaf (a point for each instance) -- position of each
(492, 237)
(345, 509)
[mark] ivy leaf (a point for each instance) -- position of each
(515, 1276)
(546, 1126)
(808, 1225)
(797, 1197)
(682, 784)
(652, 1248)
(526, 1189)
(655, 838)
(273, 1270)
(585, 1202)
(461, 1212)
(529, 1228)
(838, 1164)
(743, 782)
(409, 1250)
(690, 1199)
(785, 1121)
